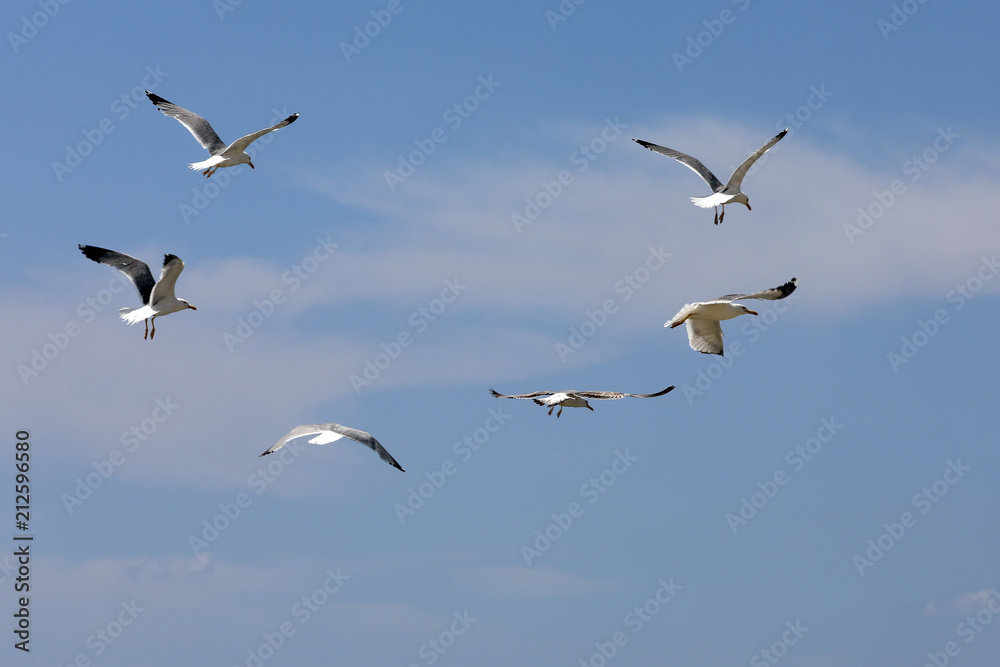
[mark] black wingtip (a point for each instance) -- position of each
(788, 287)
(291, 119)
(782, 133)
(169, 258)
(156, 99)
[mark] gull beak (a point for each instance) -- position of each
(752, 312)
(252, 167)
(746, 203)
(192, 307)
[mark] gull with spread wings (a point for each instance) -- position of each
(722, 193)
(702, 318)
(221, 154)
(157, 295)
(327, 433)
(574, 399)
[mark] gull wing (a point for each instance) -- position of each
(705, 336)
(164, 288)
(196, 125)
(533, 394)
(736, 180)
(134, 269)
(774, 293)
(240, 145)
(616, 394)
(363, 437)
(690, 162)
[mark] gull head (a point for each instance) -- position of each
(186, 304)
(740, 199)
(747, 310)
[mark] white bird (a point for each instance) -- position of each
(157, 296)
(702, 318)
(222, 155)
(574, 399)
(327, 433)
(729, 193)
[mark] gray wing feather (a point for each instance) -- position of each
(531, 395)
(135, 269)
(616, 394)
(736, 180)
(691, 162)
(774, 293)
(196, 125)
(241, 144)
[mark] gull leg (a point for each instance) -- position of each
(716, 215)
(723, 213)
(153, 333)
(147, 330)
(559, 414)
(551, 409)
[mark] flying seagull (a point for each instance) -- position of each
(222, 155)
(704, 332)
(157, 296)
(327, 433)
(574, 399)
(723, 194)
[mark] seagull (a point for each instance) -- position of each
(574, 399)
(327, 433)
(704, 332)
(222, 155)
(157, 296)
(729, 193)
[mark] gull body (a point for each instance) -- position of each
(332, 432)
(703, 317)
(722, 193)
(157, 296)
(221, 155)
(573, 399)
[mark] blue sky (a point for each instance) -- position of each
(823, 495)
